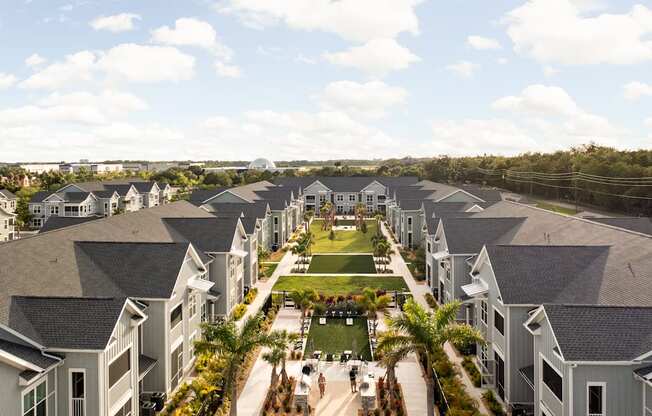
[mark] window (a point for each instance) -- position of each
(176, 367)
(192, 305)
(596, 398)
(204, 312)
(322, 198)
(119, 367)
(483, 311)
(370, 198)
(552, 379)
(310, 198)
(381, 198)
(340, 197)
(499, 322)
(124, 410)
(36, 209)
(54, 210)
(176, 316)
(77, 393)
(38, 222)
(351, 198)
(191, 345)
(34, 400)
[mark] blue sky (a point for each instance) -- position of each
(315, 79)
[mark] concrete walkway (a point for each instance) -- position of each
(398, 265)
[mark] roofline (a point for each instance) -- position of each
(21, 336)
(19, 361)
(461, 190)
(128, 302)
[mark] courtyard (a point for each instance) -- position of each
(341, 263)
(353, 241)
(334, 337)
(340, 285)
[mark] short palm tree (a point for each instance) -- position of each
(304, 299)
(274, 357)
(282, 341)
(423, 332)
(374, 304)
(389, 360)
(226, 340)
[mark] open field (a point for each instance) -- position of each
(345, 241)
(340, 285)
(342, 264)
(335, 337)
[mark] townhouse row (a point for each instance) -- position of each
(94, 314)
(8, 204)
(96, 199)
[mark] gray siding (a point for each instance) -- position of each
(155, 339)
(89, 362)
(624, 394)
(648, 398)
(12, 392)
(543, 348)
(520, 350)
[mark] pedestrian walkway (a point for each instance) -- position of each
(418, 291)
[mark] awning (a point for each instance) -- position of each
(200, 284)
(476, 288)
(239, 253)
(145, 365)
(645, 373)
(440, 255)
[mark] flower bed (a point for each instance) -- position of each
(450, 390)
(280, 401)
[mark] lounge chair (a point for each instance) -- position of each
(349, 321)
(322, 321)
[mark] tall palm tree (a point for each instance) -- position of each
(423, 332)
(304, 298)
(374, 304)
(274, 357)
(389, 360)
(233, 344)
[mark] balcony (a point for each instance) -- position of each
(145, 365)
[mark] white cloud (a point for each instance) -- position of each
(576, 39)
(464, 69)
(187, 32)
(540, 100)
(369, 100)
(355, 20)
(31, 114)
(7, 80)
(227, 71)
(502, 61)
(110, 101)
(305, 60)
(648, 122)
(376, 57)
(481, 43)
(122, 22)
(635, 90)
(549, 71)
(35, 60)
(140, 63)
(75, 68)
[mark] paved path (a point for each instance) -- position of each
(399, 267)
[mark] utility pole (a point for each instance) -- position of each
(576, 194)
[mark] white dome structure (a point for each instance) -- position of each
(262, 164)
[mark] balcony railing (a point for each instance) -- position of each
(78, 407)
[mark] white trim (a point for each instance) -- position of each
(127, 396)
(176, 343)
(19, 361)
(33, 387)
(70, 371)
(463, 191)
(498, 351)
(493, 321)
(170, 315)
(602, 384)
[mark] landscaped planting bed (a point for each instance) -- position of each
(340, 285)
(336, 337)
(342, 264)
(353, 241)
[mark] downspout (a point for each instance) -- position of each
(570, 389)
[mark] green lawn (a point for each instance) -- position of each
(345, 222)
(268, 269)
(335, 337)
(345, 241)
(340, 285)
(556, 208)
(342, 263)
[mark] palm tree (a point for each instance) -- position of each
(425, 333)
(374, 304)
(304, 299)
(383, 249)
(274, 358)
(234, 345)
(283, 340)
(389, 360)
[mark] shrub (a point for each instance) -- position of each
(319, 308)
(492, 403)
(251, 295)
(239, 311)
(430, 299)
(472, 371)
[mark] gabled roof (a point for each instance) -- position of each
(39, 196)
(345, 183)
(434, 211)
(139, 270)
(4, 193)
(76, 197)
(601, 333)
(200, 196)
(257, 209)
(144, 186)
(55, 222)
(66, 322)
(210, 235)
(469, 235)
(121, 189)
(639, 224)
(533, 275)
(627, 274)
(31, 355)
(105, 194)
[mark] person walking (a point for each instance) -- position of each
(322, 385)
(352, 377)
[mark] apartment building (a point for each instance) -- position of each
(96, 199)
(84, 334)
(8, 203)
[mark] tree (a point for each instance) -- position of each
(283, 340)
(374, 304)
(425, 333)
(304, 299)
(389, 360)
(234, 345)
(383, 249)
(331, 235)
(360, 211)
(274, 357)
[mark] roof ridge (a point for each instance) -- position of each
(589, 305)
(130, 242)
(70, 297)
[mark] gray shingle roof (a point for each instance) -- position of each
(56, 222)
(67, 323)
(7, 194)
(469, 235)
(76, 196)
(436, 210)
(638, 224)
(346, 183)
(143, 186)
(29, 354)
(626, 277)
(601, 333)
(210, 235)
(139, 270)
(198, 196)
(121, 189)
(40, 196)
(533, 275)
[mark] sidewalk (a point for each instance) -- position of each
(400, 268)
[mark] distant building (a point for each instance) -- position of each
(41, 167)
(97, 168)
(262, 164)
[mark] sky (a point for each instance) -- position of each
(320, 79)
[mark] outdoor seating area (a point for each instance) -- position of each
(336, 339)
